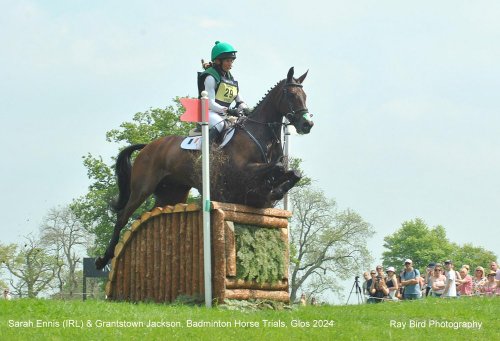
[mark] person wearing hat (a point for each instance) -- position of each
(478, 280)
(410, 280)
(450, 289)
(221, 86)
(392, 283)
(490, 287)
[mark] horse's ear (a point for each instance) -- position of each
(301, 78)
(289, 77)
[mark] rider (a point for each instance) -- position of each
(222, 89)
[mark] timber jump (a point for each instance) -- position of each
(161, 256)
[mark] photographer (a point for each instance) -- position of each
(378, 289)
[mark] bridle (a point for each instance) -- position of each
(292, 114)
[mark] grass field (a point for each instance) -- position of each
(430, 319)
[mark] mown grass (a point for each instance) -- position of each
(354, 322)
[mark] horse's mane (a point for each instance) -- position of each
(257, 106)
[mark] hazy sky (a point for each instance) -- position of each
(404, 97)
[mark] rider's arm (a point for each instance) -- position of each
(210, 88)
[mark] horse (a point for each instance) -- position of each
(250, 169)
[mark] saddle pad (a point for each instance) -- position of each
(194, 142)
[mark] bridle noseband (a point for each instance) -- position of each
(291, 116)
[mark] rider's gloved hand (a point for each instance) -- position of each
(243, 109)
(233, 112)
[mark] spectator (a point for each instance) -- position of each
(438, 281)
(379, 289)
(429, 272)
(380, 271)
(490, 287)
(366, 276)
(478, 280)
(494, 267)
(465, 284)
(6, 294)
(313, 301)
(410, 280)
(303, 300)
(392, 283)
(371, 298)
(450, 289)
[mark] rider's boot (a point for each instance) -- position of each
(213, 136)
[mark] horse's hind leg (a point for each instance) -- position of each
(137, 197)
(167, 193)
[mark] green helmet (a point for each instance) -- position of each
(223, 50)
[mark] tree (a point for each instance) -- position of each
(423, 245)
(415, 240)
(92, 209)
(326, 244)
(32, 265)
(472, 255)
(64, 236)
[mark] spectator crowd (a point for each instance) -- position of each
(438, 280)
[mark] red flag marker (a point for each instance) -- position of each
(193, 110)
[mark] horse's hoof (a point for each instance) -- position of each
(100, 263)
(277, 195)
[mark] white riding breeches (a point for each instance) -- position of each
(215, 120)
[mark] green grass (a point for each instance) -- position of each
(363, 322)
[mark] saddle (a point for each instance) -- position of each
(193, 140)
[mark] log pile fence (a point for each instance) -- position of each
(161, 256)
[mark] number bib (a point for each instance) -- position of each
(226, 92)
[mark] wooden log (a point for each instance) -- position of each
(126, 270)
(182, 251)
(219, 258)
(156, 258)
(233, 283)
(188, 263)
(274, 212)
(141, 259)
(145, 216)
(230, 248)
(196, 255)
(163, 258)
(132, 249)
(200, 254)
(169, 254)
(156, 211)
(135, 225)
(246, 294)
(256, 220)
(119, 276)
(148, 264)
(175, 256)
(180, 208)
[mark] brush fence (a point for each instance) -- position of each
(161, 256)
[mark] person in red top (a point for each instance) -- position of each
(465, 284)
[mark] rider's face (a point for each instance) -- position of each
(227, 64)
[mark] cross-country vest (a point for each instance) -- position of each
(226, 88)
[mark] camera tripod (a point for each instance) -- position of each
(357, 288)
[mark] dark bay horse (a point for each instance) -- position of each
(249, 169)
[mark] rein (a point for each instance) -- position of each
(290, 116)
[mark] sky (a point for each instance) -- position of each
(403, 95)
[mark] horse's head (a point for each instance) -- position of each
(293, 103)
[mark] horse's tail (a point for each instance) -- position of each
(123, 172)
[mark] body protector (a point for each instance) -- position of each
(226, 89)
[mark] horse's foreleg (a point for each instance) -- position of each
(284, 184)
(266, 169)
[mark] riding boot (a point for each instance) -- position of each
(213, 135)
